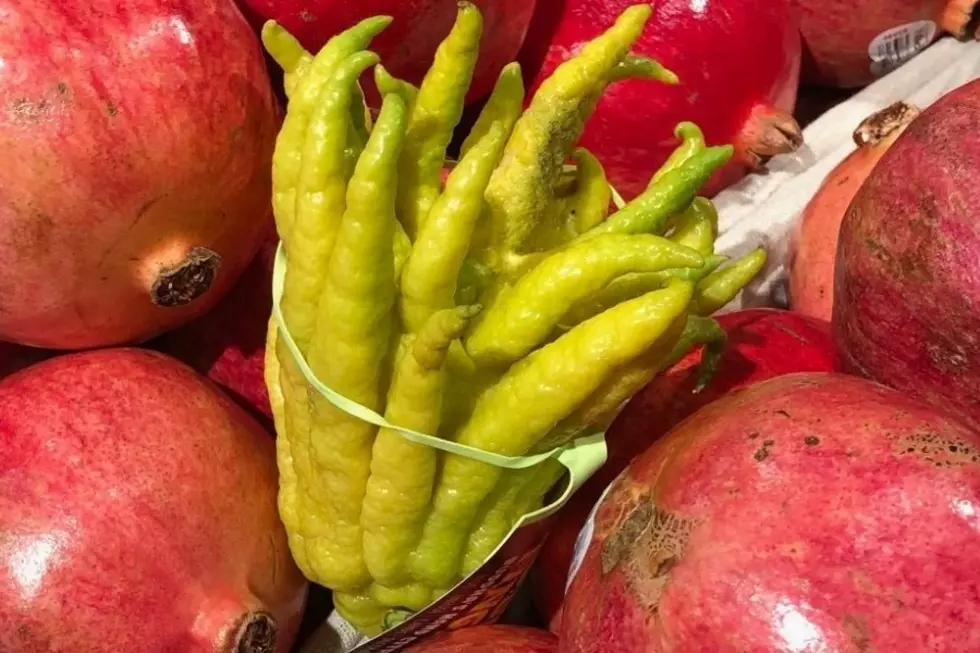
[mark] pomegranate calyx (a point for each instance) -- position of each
(767, 132)
(228, 623)
(186, 281)
(879, 125)
(257, 633)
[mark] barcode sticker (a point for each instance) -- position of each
(895, 46)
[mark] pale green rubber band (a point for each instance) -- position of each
(617, 199)
(581, 457)
(366, 414)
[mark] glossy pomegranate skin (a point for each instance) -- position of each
(142, 133)
(709, 44)
(813, 512)
(762, 343)
(907, 276)
(407, 46)
(137, 512)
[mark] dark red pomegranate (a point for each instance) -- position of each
(763, 343)
(809, 513)
(738, 63)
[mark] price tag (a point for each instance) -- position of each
(895, 46)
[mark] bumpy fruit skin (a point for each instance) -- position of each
(137, 512)
(407, 46)
(906, 293)
(762, 343)
(738, 62)
(142, 134)
(810, 512)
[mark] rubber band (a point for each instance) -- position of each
(581, 457)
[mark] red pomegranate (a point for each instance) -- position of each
(142, 134)
(407, 46)
(850, 44)
(762, 343)
(489, 639)
(138, 513)
(813, 512)
(907, 288)
(738, 63)
(227, 344)
(811, 268)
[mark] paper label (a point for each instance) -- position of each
(895, 46)
(583, 539)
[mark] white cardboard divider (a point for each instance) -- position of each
(765, 209)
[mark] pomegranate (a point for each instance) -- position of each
(143, 135)
(138, 513)
(811, 268)
(489, 639)
(812, 512)
(409, 43)
(907, 288)
(762, 343)
(227, 344)
(709, 46)
(849, 44)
